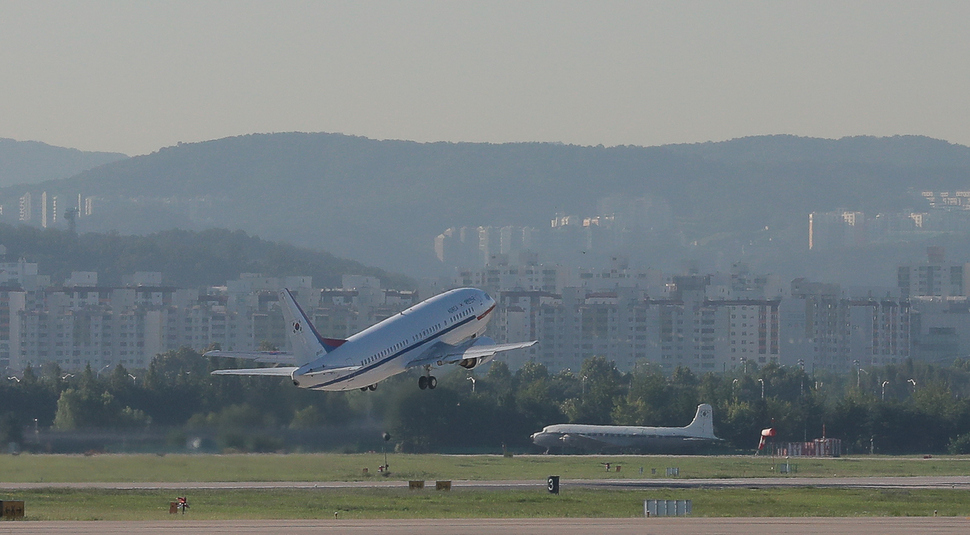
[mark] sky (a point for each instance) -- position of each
(134, 77)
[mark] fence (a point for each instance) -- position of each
(667, 507)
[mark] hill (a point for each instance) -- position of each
(383, 202)
(29, 162)
(897, 151)
(185, 258)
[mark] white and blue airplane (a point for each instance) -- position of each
(445, 329)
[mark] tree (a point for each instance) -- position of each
(601, 384)
(11, 429)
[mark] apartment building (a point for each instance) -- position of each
(935, 278)
(628, 327)
(82, 323)
(826, 330)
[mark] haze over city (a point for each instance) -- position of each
(135, 77)
(467, 228)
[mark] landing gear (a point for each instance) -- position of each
(427, 381)
(372, 388)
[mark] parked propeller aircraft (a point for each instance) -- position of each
(599, 437)
(445, 329)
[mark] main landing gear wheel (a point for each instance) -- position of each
(427, 381)
(372, 387)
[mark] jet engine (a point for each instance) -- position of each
(471, 363)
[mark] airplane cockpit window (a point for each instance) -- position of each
(487, 298)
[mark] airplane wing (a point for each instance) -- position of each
(441, 353)
(273, 357)
(278, 372)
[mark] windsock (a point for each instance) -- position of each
(765, 433)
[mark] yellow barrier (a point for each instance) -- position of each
(415, 485)
(442, 485)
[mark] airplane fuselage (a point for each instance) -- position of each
(386, 348)
(611, 436)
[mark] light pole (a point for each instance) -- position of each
(472, 379)
(858, 380)
(884, 383)
(913, 382)
(762, 381)
(386, 437)
(801, 391)
(734, 388)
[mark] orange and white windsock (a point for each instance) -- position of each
(765, 433)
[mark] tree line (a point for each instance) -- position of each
(905, 408)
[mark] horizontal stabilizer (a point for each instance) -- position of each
(328, 371)
(278, 372)
(274, 357)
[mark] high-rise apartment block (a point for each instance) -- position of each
(83, 323)
(935, 278)
(705, 323)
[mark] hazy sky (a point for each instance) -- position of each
(137, 76)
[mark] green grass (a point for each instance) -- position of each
(48, 504)
(341, 467)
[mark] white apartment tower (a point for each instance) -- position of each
(25, 207)
(43, 209)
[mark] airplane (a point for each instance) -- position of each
(445, 329)
(597, 437)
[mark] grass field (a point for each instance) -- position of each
(342, 467)
(428, 503)
(87, 504)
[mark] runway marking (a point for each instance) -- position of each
(917, 482)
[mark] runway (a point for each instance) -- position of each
(479, 526)
(919, 482)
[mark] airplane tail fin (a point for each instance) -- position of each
(703, 423)
(303, 336)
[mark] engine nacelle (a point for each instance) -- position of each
(471, 363)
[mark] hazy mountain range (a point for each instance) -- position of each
(383, 202)
(28, 162)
